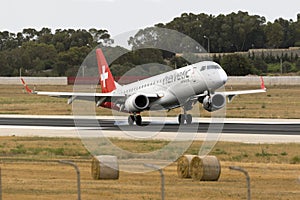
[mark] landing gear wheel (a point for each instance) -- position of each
(181, 118)
(189, 119)
(130, 120)
(138, 120)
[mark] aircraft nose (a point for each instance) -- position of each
(223, 76)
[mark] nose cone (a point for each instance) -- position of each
(223, 76)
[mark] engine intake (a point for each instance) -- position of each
(136, 103)
(214, 102)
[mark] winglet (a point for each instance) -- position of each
(26, 87)
(262, 85)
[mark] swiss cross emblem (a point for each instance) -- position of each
(104, 76)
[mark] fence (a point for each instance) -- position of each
(269, 80)
(34, 80)
(232, 80)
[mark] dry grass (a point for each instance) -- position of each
(28, 173)
(278, 102)
(50, 180)
(30, 169)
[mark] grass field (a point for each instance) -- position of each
(30, 171)
(30, 168)
(278, 102)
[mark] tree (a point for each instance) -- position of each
(100, 37)
(80, 38)
(286, 67)
(70, 61)
(236, 65)
(45, 36)
(274, 34)
(164, 39)
(30, 34)
(297, 31)
(288, 32)
(260, 65)
(61, 40)
(298, 64)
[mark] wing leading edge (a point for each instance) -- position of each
(71, 96)
(232, 94)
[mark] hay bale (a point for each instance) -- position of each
(184, 166)
(196, 168)
(105, 167)
(205, 168)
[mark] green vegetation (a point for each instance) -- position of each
(60, 53)
(295, 160)
(39, 148)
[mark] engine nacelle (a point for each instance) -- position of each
(136, 103)
(214, 102)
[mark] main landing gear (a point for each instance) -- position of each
(135, 118)
(182, 118)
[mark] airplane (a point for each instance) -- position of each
(182, 87)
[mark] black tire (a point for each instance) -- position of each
(189, 119)
(130, 120)
(181, 118)
(138, 120)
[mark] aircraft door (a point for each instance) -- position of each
(194, 75)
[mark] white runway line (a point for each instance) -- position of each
(46, 131)
(163, 119)
(71, 132)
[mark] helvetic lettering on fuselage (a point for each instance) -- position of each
(177, 76)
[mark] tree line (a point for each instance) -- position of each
(61, 52)
(237, 31)
(43, 53)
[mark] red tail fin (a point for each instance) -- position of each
(262, 85)
(106, 79)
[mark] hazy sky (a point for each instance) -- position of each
(119, 16)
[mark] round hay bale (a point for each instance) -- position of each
(184, 166)
(105, 167)
(196, 168)
(205, 168)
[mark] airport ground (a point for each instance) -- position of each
(30, 168)
(280, 102)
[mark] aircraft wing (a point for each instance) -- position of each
(76, 94)
(232, 94)
(99, 98)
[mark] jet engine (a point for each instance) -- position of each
(136, 103)
(214, 102)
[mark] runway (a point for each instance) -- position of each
(278, 128)
(231, 129)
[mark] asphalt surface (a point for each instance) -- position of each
(240, 128)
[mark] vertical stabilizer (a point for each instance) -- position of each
(107, 81)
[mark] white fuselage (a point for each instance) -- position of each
(177, 86)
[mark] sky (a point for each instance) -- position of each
(118, 16)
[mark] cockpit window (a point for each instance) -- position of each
(203, 68)
(213, 67)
